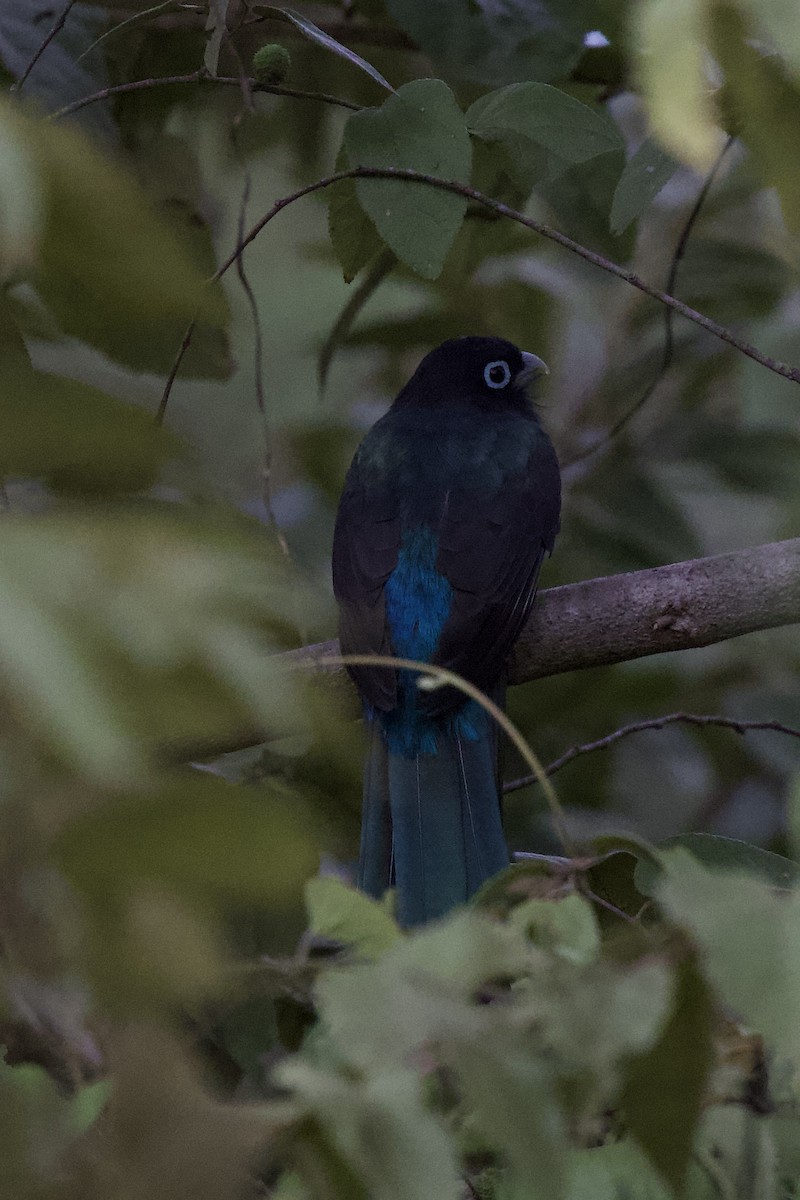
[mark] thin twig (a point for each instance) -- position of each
(200, 76)
(740, 727)
(138, 16)
(258, 342)
(669, 340)
(503, 210)
(54, 32)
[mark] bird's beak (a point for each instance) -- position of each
(533, 368)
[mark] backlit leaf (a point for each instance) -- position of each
(103, 257)
(728, 854)
(323, 39)
(765, 102)
(671, 36)
(122, 631)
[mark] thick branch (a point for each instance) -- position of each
(617, 618)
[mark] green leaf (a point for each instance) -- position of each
(765, 104)
(354, 238)
(781, 22)
(664, 1091)
(194, 834)
(567, 926)
(497, 43)
(612, 880)
(613, 1172)
(320, 38)
(569, 131)
(723, 853)
(420, 128)
(383, 1012)
(737, 1150)
(104, 259)
(731, 281)
(581, 196)
(513, 1103)
(77, 438)
(344, 914)
(747, 934)
(122, 632)
(670, 37)
(625, 843)
(22, 207)
(645, 174)
(382, 1130)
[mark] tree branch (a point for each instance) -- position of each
(61, 21)
(615, 618)
(199, 76)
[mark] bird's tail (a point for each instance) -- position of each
(431, 823)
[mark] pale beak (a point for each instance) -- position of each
(533, 368)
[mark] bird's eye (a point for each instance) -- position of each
(497, 374)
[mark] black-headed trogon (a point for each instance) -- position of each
(451, 502)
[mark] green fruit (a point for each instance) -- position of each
(271, 63)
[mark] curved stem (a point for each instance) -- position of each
(669, 340)
(503, 210)
(441, 677)
(199, 76)
(61, 21)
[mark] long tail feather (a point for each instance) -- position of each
(375, 854)
(431, 824)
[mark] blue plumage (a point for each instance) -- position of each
(449, 506)
(418, 602)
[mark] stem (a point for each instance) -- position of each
(445, 678)
(503, 210)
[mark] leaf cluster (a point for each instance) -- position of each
(623, 1024)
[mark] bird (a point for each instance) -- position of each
(448, 509)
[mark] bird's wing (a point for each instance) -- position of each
(366, 544)
(491, 549)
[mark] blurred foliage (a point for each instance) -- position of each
(619, 1025)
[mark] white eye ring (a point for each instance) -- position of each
(491, 367)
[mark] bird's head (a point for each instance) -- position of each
(488, 371)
